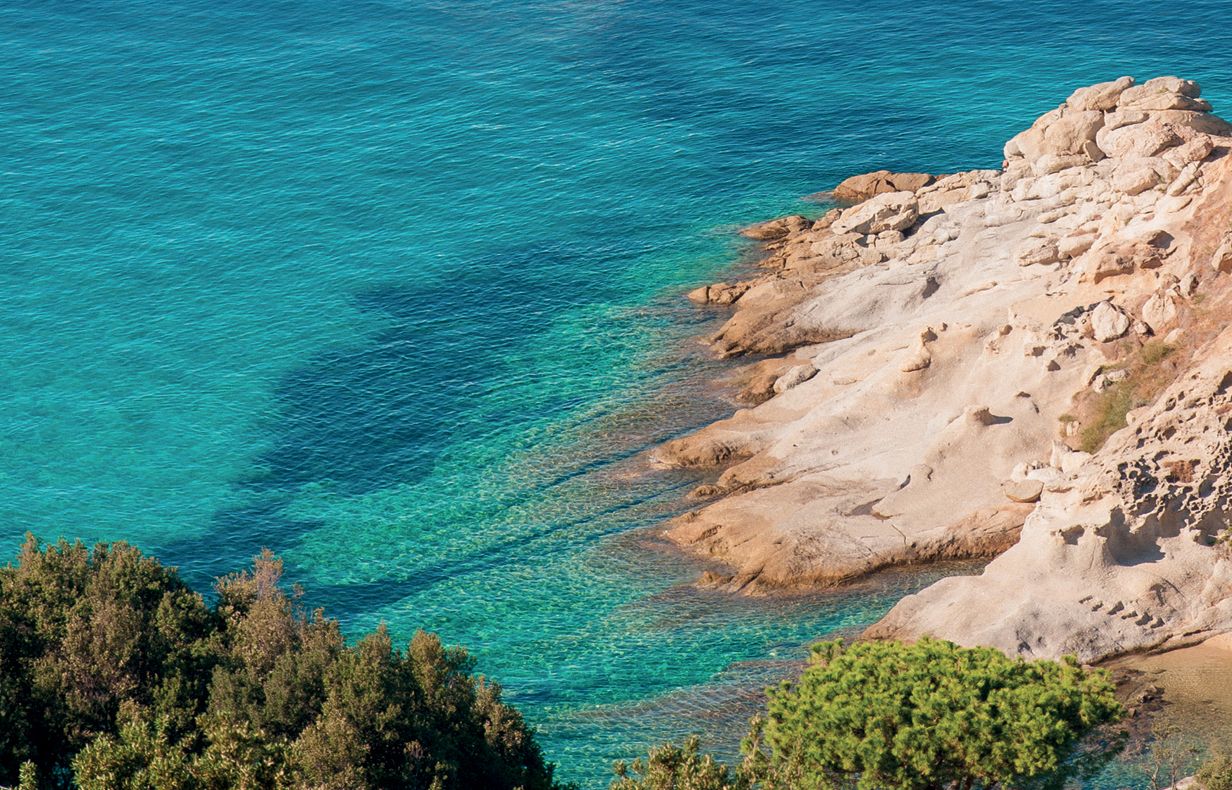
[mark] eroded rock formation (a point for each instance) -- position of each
(942, 339)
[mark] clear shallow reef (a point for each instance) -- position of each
(393, 289)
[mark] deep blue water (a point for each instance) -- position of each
(393, 289)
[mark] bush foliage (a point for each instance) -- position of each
(1216, 773)
(671, 767)
(926, 716)
(114, 674)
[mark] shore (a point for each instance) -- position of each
(1195, 683)
(1026, 363)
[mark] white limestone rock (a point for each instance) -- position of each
(1102, 96)
(1108, 322)
(794, 377)
(1039, 252)
(1160, 310)
(884, 212)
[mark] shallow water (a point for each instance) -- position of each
(393, 289)
(1192, 720)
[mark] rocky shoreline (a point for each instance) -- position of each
(1028, 363)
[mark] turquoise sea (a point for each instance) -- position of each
(392, 287)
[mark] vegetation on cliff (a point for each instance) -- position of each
(114, 674)
(1216, 773)
(1142, 377)
(926, 716)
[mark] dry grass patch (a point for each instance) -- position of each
(1151, 369)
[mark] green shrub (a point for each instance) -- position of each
(115, 675)
(926, 716)
(929, 715)
(671, 767)
(1216, 773)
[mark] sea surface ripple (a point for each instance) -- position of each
(392, 288)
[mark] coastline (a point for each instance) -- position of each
(1194, 683)
(931, 373)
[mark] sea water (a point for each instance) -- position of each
(393, 288)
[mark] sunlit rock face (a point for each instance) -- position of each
(950, 359)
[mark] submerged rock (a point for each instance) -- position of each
(775, 228)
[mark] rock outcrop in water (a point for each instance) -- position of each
(951, 364)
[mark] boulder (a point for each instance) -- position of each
(719, 293)
(1062, 132)
(1164, 93)
(1048, 164)
(837, 249)
(1026, 491)
(1039, 252)
(1118, 119)
(1221, 261)
(794, 377)
(1160, 310)
(1105, 380)
(1146, 252)
(1075, 244)
(1102, 96)
(888, 211)
(956, 188)
(1192, 121)
(1135, 178)
(1148, 138)
(1177, 85)
(726, 293)
(919, 359)
(1110, 263)
(859, 188)
(699, 295)
(827, 219)
(1185, 179)
(1108, 322)
(1195, 150)
(776, 228)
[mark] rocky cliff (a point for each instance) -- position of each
(1028, 362)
